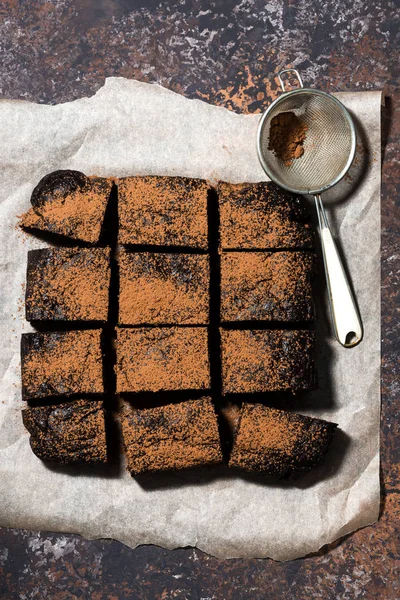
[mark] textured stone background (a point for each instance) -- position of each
(225, 52)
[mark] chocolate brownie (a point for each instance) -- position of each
(262, 216)
(153, 359)
(163, 211)
(69, 204)
(169, 289)
(68, 284)
(61, 363)
(267, 286)
(278, 442)
(71, 432)
(176, 436)
(267, 360)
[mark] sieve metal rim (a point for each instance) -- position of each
(348, 118)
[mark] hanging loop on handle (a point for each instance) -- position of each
(295, 71)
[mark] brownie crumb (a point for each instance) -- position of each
(279, 443)
(68, 433)
(68, 284)
(163, 211)
(61, 363)
(157, 359)
(176, 436)
(267, 360)
(167, 289)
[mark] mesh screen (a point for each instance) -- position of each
(327, 146)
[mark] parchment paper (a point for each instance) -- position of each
(134, 128)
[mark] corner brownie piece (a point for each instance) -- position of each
(157, 359)
(61, 363)
(176, 436)
(267, 286)
(262, 216)
(267, 360)
(68, 433)
(163, 211)
(68, 284)
(279, 443)
(69, 204)
(169, 289)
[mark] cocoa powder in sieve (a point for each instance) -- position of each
(286, 137)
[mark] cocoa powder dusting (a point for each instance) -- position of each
(279, 442)
(262, 216)
(286, 137)
(163, 288)
(78, 215)
(156, 359)
(267, 428)
(61, 363)
(267, 360)
(68, 284)
(164, 211)
(175, 436)
(270, 286)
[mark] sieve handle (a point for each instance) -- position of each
(295, 71)
(345, 316)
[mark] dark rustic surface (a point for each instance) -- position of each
(225, 52)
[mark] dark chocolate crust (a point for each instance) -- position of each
(267, 286)
(278, 442)
(57, 183)
(68, 284)
(61, 363)
(68, 433)
(267, 360)
(158, 288)
(262, 216)
(69, 204)
(157, 359)
(163, 211)
(176, 436)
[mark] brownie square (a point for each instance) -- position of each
(68, 433)
(163, 211)
(279, 443)
(267, 360)
(267, 286)
(262, 216)
(168, 289)
(176, 436)
(61, 363)
(70, 204)
(68, 284)
(153, 359)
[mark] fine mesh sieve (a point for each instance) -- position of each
(329, 148)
